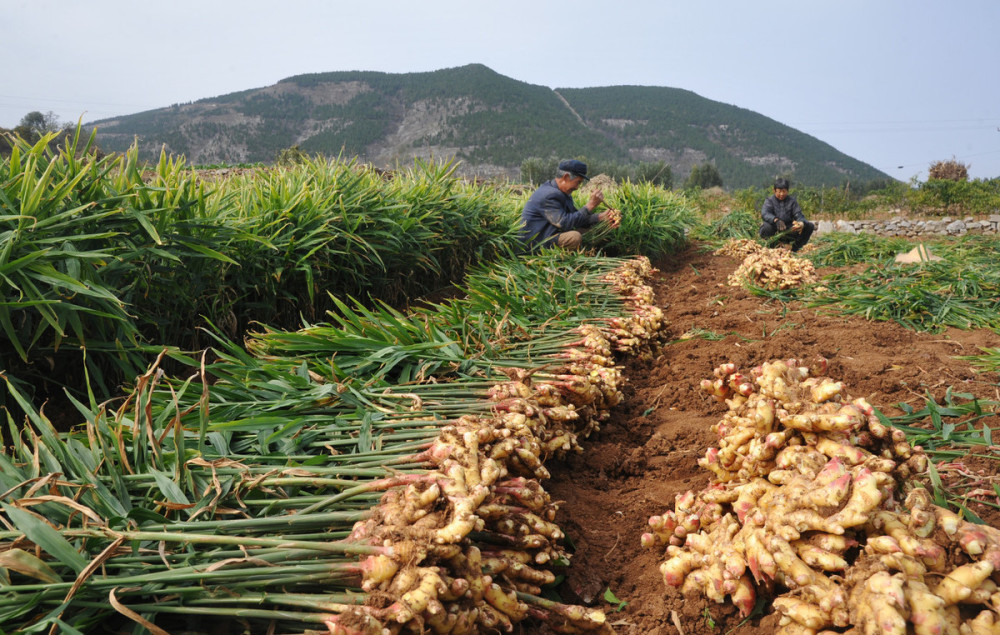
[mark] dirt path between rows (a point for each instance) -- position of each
(646, 454)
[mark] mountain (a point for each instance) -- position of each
(490, 122)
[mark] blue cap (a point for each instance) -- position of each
(574, 167)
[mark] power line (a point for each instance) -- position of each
(897, 121)
(65, 101)
(871, 131)
(963, 158)
(897, 126)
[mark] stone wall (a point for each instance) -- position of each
(900, 226)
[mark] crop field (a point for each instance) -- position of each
(648, 452)
(320, 399)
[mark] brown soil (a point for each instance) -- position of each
(647, 452)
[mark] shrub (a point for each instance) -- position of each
(536, 170)
(703, 177)
(656, 173)
(291, 156)
(942, 196)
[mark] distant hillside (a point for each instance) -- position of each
(488, 121)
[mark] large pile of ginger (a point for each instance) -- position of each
(771, 269)
(818, 505)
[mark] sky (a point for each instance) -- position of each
(898, 84)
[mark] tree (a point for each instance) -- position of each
(536, 170)
(656, 172)
(35, 124)
(291, 156)
(703, 177)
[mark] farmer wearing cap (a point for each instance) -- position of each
(783, 216)
(550, 218)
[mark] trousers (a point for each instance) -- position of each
(799, 240)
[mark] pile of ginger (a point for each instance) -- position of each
(817, 504)
(468, 545)
(771, 269)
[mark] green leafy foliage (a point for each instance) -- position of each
(962, 290)
(839, 250)
(656, 172)
(703, 177)
(57, 223)
(107, 261)
(654, 221)
(709, 620)
(102, 257)
(737, 224)
(535, 170)
(293, 155)
(953, 427)
(941, 196)
(232, 490)
(612, 599)
(926, 298)
(852, 201)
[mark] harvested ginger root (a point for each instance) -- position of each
(818, 504)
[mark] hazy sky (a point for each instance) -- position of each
(898, 84)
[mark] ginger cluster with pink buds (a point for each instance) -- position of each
(817, 503)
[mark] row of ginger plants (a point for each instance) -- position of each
(380, 473)
(106, 255)
(106, 259)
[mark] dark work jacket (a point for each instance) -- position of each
(549, 212)
(787, 210)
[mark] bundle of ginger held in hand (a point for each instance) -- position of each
(817, 504)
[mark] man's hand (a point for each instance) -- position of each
(780, 224)
(595, 199)
(611, 216)
(797, 227)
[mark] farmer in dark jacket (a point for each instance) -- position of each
(550, 218)
(782, 215)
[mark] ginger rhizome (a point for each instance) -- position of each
(819, 505)
(468, 545)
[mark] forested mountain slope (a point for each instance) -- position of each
(489, 122)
